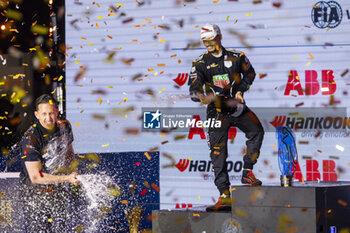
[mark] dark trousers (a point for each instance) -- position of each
(44, 209)
(247, 122)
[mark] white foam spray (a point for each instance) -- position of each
(96, 189)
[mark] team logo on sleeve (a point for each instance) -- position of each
(193, 69)
(221, 80)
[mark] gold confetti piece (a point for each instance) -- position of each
(100, 17)
(109, 37)
(173, 55)
(146, 184)
(126, 116)
(77, 62)
(124, 201)
(53, 91)
(119, 4)
(232, 189)
(147, 155)
(197, 215)
(107, 144)
(150, 70)
(161, 40)
(307, 64)
(241, 213)
(273, 147)
(163, 135)
(90, 43)
(227, 18)
(83, 38)
(42, 30)
(122, 139)
(248, 14)
(292, 230)
(12, 14)
(77, 124)
(19, 75)
(314, 6)
(60, 78)
(32, 49)
(160, 64)
(216, 1)
(198, 197)
(312, 57)
(295, 58)
(99, 99)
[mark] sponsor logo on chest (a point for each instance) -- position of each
(221, 80)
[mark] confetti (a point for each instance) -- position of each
(155, 187)
(196, 215)
(339, 147)
(163, 135)
(227, 18)
(161, 40)
(107, 144)
(248, 14)
(77, 124)
(147, 155)
(307, 64)
(312, 57)
(39, 29)
(262, 75)
(216, 1)
(143, 192)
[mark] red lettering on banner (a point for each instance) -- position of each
(195, 129)
(297, 174)
(312, 172)
(311, 84)
(183, 205)
(329, 173)
(328, 82)
(293, 83)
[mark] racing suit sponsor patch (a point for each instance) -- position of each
(221, 80)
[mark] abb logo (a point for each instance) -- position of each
(183, 205)
(200, 131)
(313, 173)
(312, 85)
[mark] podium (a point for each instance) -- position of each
(313, 207)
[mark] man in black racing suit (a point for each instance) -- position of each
(225, 74)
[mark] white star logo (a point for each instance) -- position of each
(156, 115)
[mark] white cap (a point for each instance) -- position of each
(210, 31)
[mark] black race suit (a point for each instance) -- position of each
(224, 76)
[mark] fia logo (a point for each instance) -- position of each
(152, 120)
(326, 14)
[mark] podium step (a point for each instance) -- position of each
(308, 208)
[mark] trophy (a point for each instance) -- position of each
(287, 154)
(134, 217)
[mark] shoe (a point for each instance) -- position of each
(223, 204)
(249, 178)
